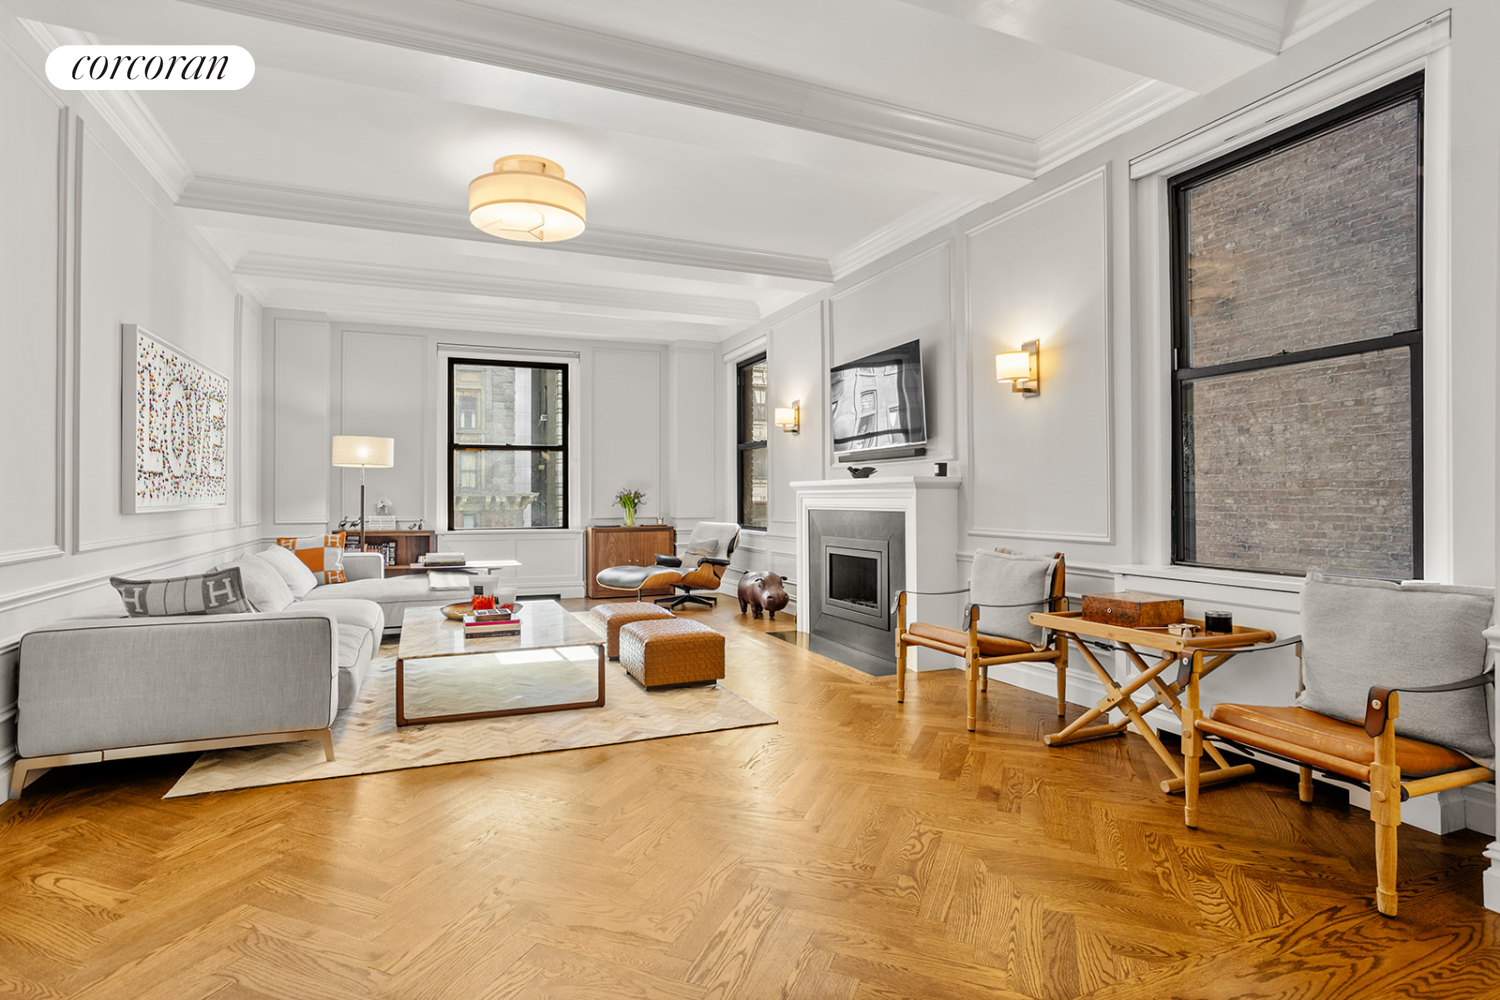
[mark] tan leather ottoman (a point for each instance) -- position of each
(671, 651)
(616, 616)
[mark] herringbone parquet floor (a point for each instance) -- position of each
(859, 849)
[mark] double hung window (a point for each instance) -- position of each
(508, 445)
(1297, 347)
(751, 420)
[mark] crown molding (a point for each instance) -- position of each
(1307, 25)
(271, 265)
(1216, 19)
(1382, 63)
(474, 32)
(277, 201)
(1130, 108)
(359, 307)
(919, 222)
(125, 114)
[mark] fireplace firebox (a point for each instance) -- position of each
(856, 562)
(856, 584)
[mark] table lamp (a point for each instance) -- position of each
(351, 451)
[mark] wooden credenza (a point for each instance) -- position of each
(410, 546)
(622, 546)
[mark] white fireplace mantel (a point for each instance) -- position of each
(930, 504)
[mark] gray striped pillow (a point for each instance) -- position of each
(217, 593)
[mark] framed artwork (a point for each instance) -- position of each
(174, 427)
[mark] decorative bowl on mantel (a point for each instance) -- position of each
(861, 471)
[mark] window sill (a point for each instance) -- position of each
(1238, 579)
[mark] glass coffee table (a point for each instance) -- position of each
(426, 634)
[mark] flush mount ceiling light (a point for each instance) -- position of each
(525, 198)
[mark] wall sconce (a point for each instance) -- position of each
(789, 418)
(1022, 369)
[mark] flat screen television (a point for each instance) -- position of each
(878, 409)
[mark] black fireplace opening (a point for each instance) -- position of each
(854, 579)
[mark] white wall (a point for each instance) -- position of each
(88, 242)
(1077, 259)
(633, 411)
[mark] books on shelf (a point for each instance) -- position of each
(387, 551)
(380, 522)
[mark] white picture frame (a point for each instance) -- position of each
(174, 427)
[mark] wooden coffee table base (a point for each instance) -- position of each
(403, 720)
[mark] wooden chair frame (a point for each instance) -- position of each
(1386, 787)
(976, 665)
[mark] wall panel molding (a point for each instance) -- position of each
(63, 188)
(1105, 532)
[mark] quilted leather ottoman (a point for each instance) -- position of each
(671, 651)
(616, 616)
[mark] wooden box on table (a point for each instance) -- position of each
(1132, 609)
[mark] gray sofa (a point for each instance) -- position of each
(99, 688)
(394, 594)
(105, 688)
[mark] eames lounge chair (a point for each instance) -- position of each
(1004, 589)
(700, 567)
(1367, 639)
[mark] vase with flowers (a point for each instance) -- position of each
(630, 500)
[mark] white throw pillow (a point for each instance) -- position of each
(263, 585)
(291, 569)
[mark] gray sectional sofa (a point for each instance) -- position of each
(98, 688)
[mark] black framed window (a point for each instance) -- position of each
(1297, 347)
(508, 444)
(750, 459)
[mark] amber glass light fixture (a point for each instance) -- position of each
(525, 198)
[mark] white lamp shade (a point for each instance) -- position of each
(785, 416)
(352, 451)
(1012, 366)
(526, 198)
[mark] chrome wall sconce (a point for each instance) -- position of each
(789, 418)
(1022, 369)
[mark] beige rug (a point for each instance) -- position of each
(366, 739)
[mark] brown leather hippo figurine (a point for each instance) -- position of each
(762, 591)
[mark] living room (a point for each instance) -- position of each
(772, 193)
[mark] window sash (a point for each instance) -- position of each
(743, 388)
(1184, 375)
(455, 447)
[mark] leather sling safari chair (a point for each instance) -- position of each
(1004, 588)
(701, 567)
(1363, 641)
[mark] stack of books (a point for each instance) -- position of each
(442, 559)
(497, 622)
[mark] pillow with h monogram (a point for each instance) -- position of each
(216, 593)
(323, 554)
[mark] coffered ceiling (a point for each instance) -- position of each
(736, 154)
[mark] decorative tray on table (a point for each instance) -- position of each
(456, 612)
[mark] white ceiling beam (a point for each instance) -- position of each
(254, 198)
(1136, 37)
(1263, 30)
(434, 311)
(502, 38)
(658, 304)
